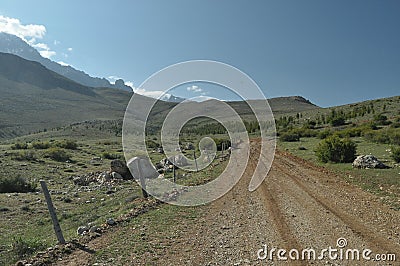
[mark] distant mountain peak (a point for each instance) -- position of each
(14, 45)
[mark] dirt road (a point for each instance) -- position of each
(299, 206)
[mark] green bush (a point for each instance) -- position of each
(335, 149)
(289, 137)
(151, 144)
(24, 156)
(67, 144)
(384, 136)
(324, 134)
(111, 156)
(39, 145)
(16, 184)
(396, 154)
(338, 121)
(381, 119)
(22, 248)
(57, 154)
(19, 146)
(304, 132)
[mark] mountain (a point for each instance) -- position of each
(15, 45)
(172, 99)
(34, 98)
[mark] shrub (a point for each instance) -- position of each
(23, 248)
(19, 146)
(219, 142)
(24, 156)
(15, 184)
(290, 137)
(381, 119)
(324, 134)
(151, 144)
(396, 154)
(111, 156)
(335, 149)
(337, 121)
(67, 144)
(41, 145)
(57, 154)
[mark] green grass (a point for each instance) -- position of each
(382, 182)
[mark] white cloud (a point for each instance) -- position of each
(194, 88)
(129, 83)
(56, 42)
(152, 94)
(202, 98)
(63, 63)
(29, 33)
(70, 49)
(47, 54)
(41, 46)
(14, 26)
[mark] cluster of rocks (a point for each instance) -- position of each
(174, 194)
(167, 164)
(368, 162)
(91, 228)
(118, 171)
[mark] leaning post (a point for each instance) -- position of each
(195, 160)
(52, 212)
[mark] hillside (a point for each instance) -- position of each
(35, 98)
(15, 45)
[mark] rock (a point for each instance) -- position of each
(80, 181)
(82, 230)
(119, 167)
(189, 146)
(368, 161)
(110, 221)
(160, 150)
(115, 175)
(180, 160)
(147, 168)
(104, 177)
(94, 229)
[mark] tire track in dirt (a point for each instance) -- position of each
(374, 240)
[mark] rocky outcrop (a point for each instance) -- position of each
(368, 161)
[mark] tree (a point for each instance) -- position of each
(335, 149)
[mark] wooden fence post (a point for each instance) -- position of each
(195, 160)
(52, 212)
(173, 169)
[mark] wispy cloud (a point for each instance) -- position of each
(152, 94)
(29, 33)
(69, 49)
(63, 63)
(194, 88)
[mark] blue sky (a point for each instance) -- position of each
(331, 52)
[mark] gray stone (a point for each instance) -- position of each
(116, 175)
(111, 221)
(368, 161)
(119, 167)
(82, 230)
